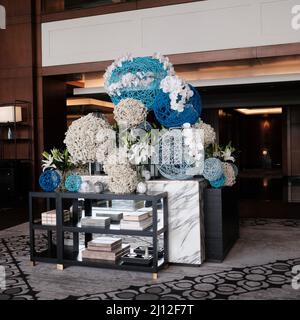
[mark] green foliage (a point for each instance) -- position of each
(224, 153)
(57, 159)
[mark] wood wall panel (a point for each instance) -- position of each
(15, 88)
(54, 9)
(16, 49)
(17, 8)
(16, 71)
(99, 10)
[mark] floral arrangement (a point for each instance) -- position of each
(81, 139)
(189, 111)
(227, 156)
(137, 85)
(106, 140)
(167, 65)
(57, 159)
(122, 179)
(130, 112)
(122, 176)
(132, 80)
(179, 92)
(136, 77)
(230, 177)
(213, 169)
(226, 153)
(209, 132)
(116, 157)
(193, 142)
(139, 147)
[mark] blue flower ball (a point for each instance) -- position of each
(213, 169)
(139, 65)
(170, 118)
(49, 180)
(218, 183)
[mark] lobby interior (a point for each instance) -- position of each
(250, 96)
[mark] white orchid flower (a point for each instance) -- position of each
(227, 155)
(48, 163)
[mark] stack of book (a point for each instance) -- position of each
(137, 220)
(95, 222)
(114, 215)
(127, 205)
(105, 250)
(49, 217)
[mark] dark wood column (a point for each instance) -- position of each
(54, 112)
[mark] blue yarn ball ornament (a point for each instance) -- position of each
(218, 183)
(146, 94)
(170, 118)
(49, 180)
(73, 183)
(213, 169)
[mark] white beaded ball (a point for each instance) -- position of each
(141, 187)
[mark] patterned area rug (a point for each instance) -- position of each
(270, 280)
(222, 285)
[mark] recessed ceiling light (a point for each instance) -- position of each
(249, 112)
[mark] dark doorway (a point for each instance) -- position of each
(259, 134)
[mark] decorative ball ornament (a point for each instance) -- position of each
(73, 183)
(213, 169)
(229, 174)
(209, 132)
(106, 140)
(49, 180)
(235, 169)
(137, 78)
(123, 179)
(87, 187)
(218, 183)
(99, 187)
(146, 174)
(117, 158)
(130, 112)
(141, 188)
(81, 139)
(173, 162)
(173, 119)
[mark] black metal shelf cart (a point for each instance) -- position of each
(62, 256)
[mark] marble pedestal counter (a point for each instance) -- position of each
(186, 219)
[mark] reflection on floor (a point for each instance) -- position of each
(264, 194)
(258, 267)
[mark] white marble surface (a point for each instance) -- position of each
(186, 221)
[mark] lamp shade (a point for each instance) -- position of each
(7, 114)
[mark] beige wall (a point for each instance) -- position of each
(192, 27)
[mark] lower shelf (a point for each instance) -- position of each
(72, 258)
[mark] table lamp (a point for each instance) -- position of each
(10, 114)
